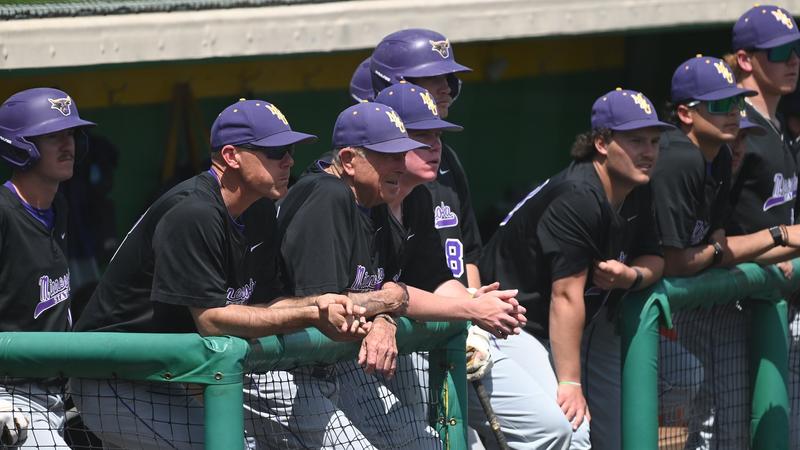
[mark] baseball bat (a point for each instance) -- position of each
(483, 397)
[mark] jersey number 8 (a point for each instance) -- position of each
(454, 253)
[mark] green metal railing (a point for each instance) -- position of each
(643, 313)
(219, 364)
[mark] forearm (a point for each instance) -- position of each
(684, 262)
(776, 255)
(452, 288)
(651, 267)
(426, 306)
(290, 302)
(473, 276)
(393, 301)
(567, 316)
(252, 322)
(752, 247)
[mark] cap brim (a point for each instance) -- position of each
(728, 92)
(284, 138)
(778, 41)
(751, 128)
(51, 126)
(398, 145)
(433, 124)
(437, 68)
(643, 123)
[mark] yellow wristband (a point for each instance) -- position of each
(571, 383)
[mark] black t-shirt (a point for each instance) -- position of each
(691, 196)
(185, 251)
(421, 256)
(454, 217)
(34, 274)
(560, 229)
(765, 191)
(329, 244)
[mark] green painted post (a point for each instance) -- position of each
(224, 416)
(457, 399)
(640, 320)
(769, 369)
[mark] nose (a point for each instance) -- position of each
(288, 160)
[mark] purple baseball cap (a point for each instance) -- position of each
(416, 107)
(624, 110)
(373, 126)
(750, 127)
(361, 83)
(254, 122)
(705, 78)
(764, 26)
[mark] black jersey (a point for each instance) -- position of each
(34, 274)
(560, 229)
(329, 244)
(421, 256)
(185, 251)
(691, 195)
(454, 217)
(765, 191)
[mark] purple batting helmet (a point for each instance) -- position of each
(361, 83)
(414, 53)
(35, 112)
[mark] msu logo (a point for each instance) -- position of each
(781, 17)
(277, 113)
(642, 102)
(61, 105)
(723, 70)
(396, 120)
(428, 100)
(441, 47)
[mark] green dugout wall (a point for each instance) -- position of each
(521, 107)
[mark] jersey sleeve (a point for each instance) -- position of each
(676, 186)
(188, 256)
(317, 237)
(569, 232)
(469, 224)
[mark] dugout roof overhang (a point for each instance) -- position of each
(309, 26)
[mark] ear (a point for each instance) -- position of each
(347, 156)
(744, 60)
(230, 156)
(601, 146)
(684, 114)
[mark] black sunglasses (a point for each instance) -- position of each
(782, 53)
(276, 153)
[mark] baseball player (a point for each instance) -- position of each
(691, 188)
(40, 134)
(361, 83)
(330, 242)
(195, 262)
(746, 128)
(571, 245)
(765, 41)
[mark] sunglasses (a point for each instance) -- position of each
(783, 52)
(276, 153)
(723, 106)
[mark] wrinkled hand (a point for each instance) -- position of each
(612, 274)
(13, 425)
(379, 349)
(573, 404)
(787, 269)
(499, 313)
(479, 357)
(339, 318)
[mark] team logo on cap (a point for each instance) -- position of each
(277, 113)
(781, 17)
(441, 47)
(723, 70)
(428, 100)
(640, 100)
(396, 120)
(61, 105)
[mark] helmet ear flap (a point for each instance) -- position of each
(455, 86)
(19, 152)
